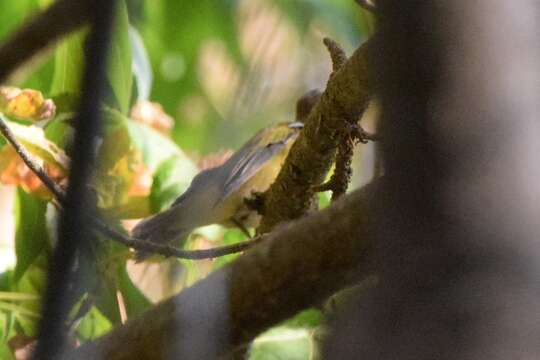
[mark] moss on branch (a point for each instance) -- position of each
(346, 97)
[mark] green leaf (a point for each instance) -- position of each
(31, 237)
(340, 15)
(107, 304)
(18, 310)
(292, 339)
(93, 325)
(309, 318)
(5, 352)
(119, 71)
(113, 120)
(142, 70)
(67, 104)
(325, 198)
(7, 328)
(6, 280)
(69, 64)
(33, 139)
(33, 74)
(16, 296)
(44, 3)
(13, 13)
(157, 148)
(111, 257)
(283, 343)
(58, 130)
(154, 146)
(175, 55)
(301, 13)
(33, 281)
(171, 179)
(135, 301)
(230, 237)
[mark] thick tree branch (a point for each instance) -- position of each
(297, 266)
(458, 250)
(75, 239)
(345, 98)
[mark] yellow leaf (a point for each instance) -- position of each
(34, 140)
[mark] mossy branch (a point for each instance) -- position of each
(346, 97)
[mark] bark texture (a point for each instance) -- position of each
(346, 97)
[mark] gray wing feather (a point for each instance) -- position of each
(249, 164)
(250, 158)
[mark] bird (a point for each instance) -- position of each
(217, 195)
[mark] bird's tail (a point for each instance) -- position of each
(162, 228)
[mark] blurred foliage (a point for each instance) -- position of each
(214, 71)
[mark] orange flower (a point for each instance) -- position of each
(13, 171)
(142, 181)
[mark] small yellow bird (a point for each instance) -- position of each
(216, 195)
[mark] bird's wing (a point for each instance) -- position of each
(255, 153)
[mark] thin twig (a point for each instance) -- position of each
(121, 307)
(339, 182)
(56, 189)
(171, 251)
(348, 134)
